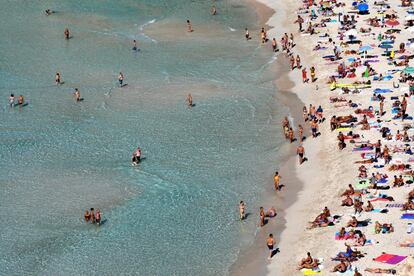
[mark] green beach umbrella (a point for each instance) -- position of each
(366, 74)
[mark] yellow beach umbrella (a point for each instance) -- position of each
(392, 54)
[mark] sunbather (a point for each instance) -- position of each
(381, 271)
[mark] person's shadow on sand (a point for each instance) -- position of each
(274, 252)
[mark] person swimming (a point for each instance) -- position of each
(11, 100)
(136, 156)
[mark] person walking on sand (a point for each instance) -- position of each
(276, 181)
(270, 244)
(300, 151)
(298, 62)
(263, 36)
(189, 27)
(242, 210)
(66, 33)
(57, 78)
(292, 62)
(189, 100)
(120, 79)
(304, 75)
(313, 74)
(300, 22)
(300, 127)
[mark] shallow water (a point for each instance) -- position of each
(177, 212)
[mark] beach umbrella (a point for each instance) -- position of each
(362, 7)
(392, 55)
(392, 22)
(410, 17)
(385, 46)
(411, 45)
(411, 29)
(365, 48)
(409, 70)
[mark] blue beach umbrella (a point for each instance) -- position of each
(386, 46)
(362, 7)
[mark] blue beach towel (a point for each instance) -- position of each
(381, 91)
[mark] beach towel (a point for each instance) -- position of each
(362, 185)
(311, 272)
(383, 211)
(394, 205)
(390, 259)
(381, 91)
(380, 199)
(368, 155)
(344, 238)
(362, 149)
(407, 216)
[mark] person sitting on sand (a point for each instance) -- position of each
(341, 267)
(356, 272)
(352, 223)
(87, 216)
(304, 263)
(387, 228)
(381, 271)
(347, 201)
(350, 191)
(242, 210)
(342, 233)
(349, 255)
(276, 181)
(364, 123)
(369, 207)
(378, 227)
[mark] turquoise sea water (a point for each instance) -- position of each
(177, 212)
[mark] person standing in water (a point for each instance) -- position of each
(242, 210)
(135, 47)
(270, 244)
(276, 181)
(247, 34)
(20, 100)
(77, 95)
(120, 79)
(66, 33)
(11, 100)
(262, 216)
(189, 100)
(189, 27)
(274, 45)
(57, 78)
(214, 10)
(136, 156)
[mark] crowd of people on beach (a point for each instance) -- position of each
(371, 85)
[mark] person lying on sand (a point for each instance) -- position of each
(381, 271)
(349, 255)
